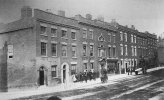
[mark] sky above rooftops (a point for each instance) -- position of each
(145, 15)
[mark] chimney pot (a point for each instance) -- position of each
(61, 13)
(100, 18)
(132, 27)
(89, 16)
(26, 11)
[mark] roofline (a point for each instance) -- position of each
(16, 30)
(59, 24)
(56, 14)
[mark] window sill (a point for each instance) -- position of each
(43, 34)
(64, 38)
(54, 56)
(53, 36)
(64, 56)
(44, 56)
(55, 77)
(74, 57)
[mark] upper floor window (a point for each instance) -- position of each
(114, 38)
(135, 51)
(132, 50)
(126, 50)
(54, 49)
(101, 52)
(110, 37)
(91, 65)
(43, 48)
(73, 51)
(122, 49)
(54, 70)
(73, 35)
(53, 31)
(132, 62)
(135, 40)
(85, 33)
(90, 34)
(126, 37)
(121, 36)
(91, 50)
(64, 50)
(42, 30)
(85, 66)
(114, 51)
(64, 34)
(84, 49)
(109, 51)
(131, 38)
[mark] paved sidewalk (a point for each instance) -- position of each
(63, 87)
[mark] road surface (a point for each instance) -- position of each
(140, 87)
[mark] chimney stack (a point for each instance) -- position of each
(78, 17)
(61, 13)
(100, 18)
(89, 16)
(132, 27)
(114, 23)
(26, 12)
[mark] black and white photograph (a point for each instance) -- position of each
(81, 49)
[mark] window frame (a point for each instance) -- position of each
(114, 38)
(74, 46)
(65, 50)
(73, 69)
(126, 38)
(122, 49)
(132, 38)
(45, 31)
(114, 51)
(110, 37)
(66, 35)
(121, 36)
(91, 50)
(52, 49)
(84, 31)
(56, 75)
(84, 50)
(54, 28)
(126, 50)
(45, 48)
(90, 34)
(74, 35)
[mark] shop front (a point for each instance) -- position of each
(112, 66)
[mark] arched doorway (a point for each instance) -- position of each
(41, 75)
(65, 73)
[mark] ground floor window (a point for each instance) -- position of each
(54, 70)
(85, 66)
(73, 69)
(91, 65)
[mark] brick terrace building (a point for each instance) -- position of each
(161, 51)
(133, 45)
(47, 48)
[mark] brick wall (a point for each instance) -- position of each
(21, 68)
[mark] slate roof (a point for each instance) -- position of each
(17, 25)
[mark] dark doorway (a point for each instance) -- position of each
(41, 75)
(64, 73)
(126, 65)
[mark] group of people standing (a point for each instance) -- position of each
(130, 70)
(84, 76)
